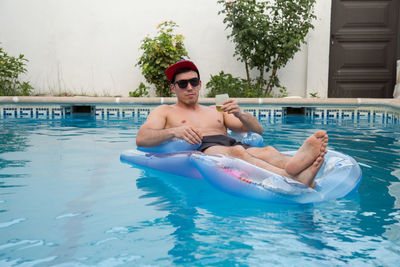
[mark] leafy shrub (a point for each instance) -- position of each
(10, 70)
(141, 91)
(159, 53)
(267, 34)
(235, 87)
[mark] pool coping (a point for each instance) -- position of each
(294, 102)
(110, 108)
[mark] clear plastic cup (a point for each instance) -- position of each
(219, 99)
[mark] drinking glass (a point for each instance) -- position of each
(219, 99)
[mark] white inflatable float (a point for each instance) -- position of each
(339, 175)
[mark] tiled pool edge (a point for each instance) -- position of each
(387, 110)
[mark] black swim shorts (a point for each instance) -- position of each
(219, 140)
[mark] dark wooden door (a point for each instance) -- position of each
(363, 51)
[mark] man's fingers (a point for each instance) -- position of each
(231, 108)
(189, 140)
(198, 135)
(230, 105)
(192, 139)
(193, 136)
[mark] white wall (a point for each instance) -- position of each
(91, 46)
(318, 50)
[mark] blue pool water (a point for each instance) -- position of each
(67, 200)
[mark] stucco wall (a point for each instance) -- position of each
(318, 50)
(91, 46)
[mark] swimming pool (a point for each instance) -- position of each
(66, 199)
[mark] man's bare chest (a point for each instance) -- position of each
(198, 120)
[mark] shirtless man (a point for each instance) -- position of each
(196, 123)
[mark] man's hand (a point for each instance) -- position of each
(240, 121)
(230, 106)
(189, 134)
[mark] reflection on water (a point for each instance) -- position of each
(12, 139)
(170, 197)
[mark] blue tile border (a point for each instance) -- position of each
(262, 112)
(357, 114)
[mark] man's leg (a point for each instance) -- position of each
(312, 148)
(241, 153)
(271, 155)
(306, 176)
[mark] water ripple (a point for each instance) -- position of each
(12, 222)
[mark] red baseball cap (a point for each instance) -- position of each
(183, 64)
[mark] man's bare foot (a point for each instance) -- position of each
(307, 177)
(312, 148)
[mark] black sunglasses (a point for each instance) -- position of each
(184, 83)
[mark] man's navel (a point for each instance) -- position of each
(183, 121)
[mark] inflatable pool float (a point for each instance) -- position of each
(339, 175)
(174, 156)
(177, 163)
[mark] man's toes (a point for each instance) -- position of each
(320, 134)
(318, 162)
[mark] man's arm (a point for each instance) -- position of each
(153, 131)
(239, 121)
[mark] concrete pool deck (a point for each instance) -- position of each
(388, 102)
(263, 108)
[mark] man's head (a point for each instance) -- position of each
(180, 67)
(185, 81)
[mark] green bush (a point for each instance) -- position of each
(267, 34)
(159, 53)
(235, 87)
(141, 91)
(225, 83)
(10, 70)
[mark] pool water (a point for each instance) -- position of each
(67, 200)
